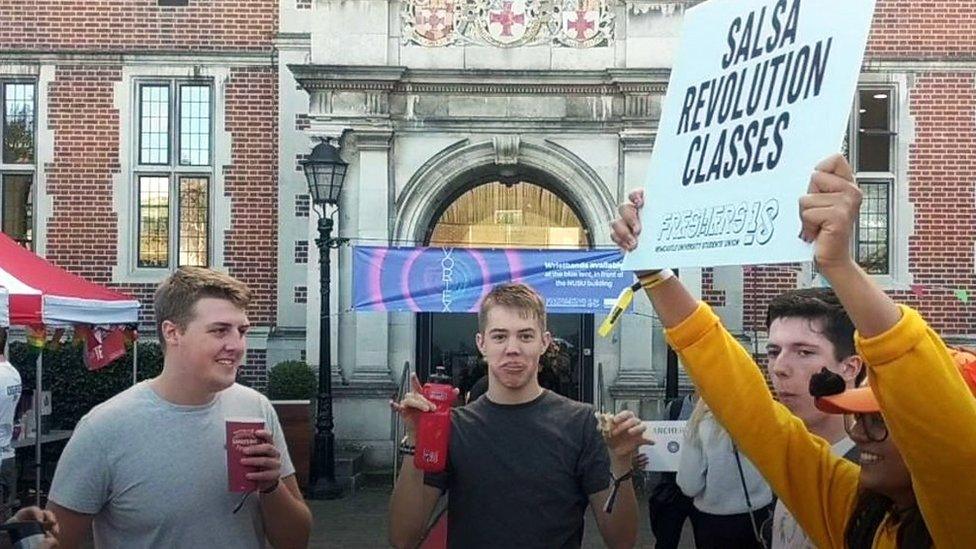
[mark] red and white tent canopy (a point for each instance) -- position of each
(34, 292)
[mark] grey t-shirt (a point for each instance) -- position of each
(521, 475)
(154, 474)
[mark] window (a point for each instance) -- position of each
(871, 148)
(173, 174)
(17, 162)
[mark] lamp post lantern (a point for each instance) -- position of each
(324, 173)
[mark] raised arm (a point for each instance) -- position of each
(935, 429)
(412, 501)
(817, 486)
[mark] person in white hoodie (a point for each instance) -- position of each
(731, 498)
(9, 397)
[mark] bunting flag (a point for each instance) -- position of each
(36, 336)
(81, 334)
(131, 333)
(917, 290)
(104, 345)
(56, 339)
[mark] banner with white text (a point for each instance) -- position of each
(445, 280)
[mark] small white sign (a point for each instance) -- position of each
(665, 453)
(45, 403)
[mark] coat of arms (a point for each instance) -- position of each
(508, 23)
(584, 23)
(431, 22)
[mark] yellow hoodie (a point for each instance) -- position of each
(935, 428)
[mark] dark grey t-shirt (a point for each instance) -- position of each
(520, 475)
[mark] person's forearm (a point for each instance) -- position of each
(622, 522)
(287, 520)
(672, 301)
(408, 514)
(870, 309)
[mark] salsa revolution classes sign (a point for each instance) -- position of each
(444, 280)
(760, 92)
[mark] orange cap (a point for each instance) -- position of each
(851, 401)
(862, 400)
(966, 361)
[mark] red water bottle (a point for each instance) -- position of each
(434, 428)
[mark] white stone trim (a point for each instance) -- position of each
(124, 187)
(444, 173)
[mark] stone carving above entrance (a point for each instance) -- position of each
(509, 23)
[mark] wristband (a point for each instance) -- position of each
(405, 448)
(647, 280)
(272, 488)
(653, 279)
(608, 506)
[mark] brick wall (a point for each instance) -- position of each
(942, 176)
(254, 372)
(81, 233)
(710, 294)
(251, 249)
(923, 29)
(83, 226)
(137, 25)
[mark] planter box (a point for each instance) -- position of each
(296, 421)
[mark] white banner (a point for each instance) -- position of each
(761, 91)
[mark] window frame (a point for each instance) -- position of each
(29, 168)
(875, 177)
(174, 170)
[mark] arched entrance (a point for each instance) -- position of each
(496, 214)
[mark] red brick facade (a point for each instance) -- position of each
(923, 29)
(138, 25)
(82, 229)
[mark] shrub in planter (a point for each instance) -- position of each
(291, 380)
(294, 380)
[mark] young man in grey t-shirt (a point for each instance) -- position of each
(523, 463)
(148, 467)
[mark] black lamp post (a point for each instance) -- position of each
(325, 171)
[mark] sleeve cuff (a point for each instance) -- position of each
(897, 341)
(693, 328)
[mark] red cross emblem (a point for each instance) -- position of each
(581, 24)
(507, 18)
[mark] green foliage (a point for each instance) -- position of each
(74, 389)
(291, 380)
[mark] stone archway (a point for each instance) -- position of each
(458, 167)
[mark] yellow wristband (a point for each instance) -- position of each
(655, 279)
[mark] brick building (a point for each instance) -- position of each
(147, 134)
(139, 135)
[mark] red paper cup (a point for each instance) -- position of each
(240, 433)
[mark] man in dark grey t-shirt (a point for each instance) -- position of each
(523, 462)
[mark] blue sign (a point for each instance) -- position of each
(443, 280)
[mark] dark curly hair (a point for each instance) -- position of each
(869, 513)
(817, 304)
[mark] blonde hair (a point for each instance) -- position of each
(520, 297)
(177, 295)
(698, 415)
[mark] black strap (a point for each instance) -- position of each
(608, 506)
(745, 491)
(674, 408)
